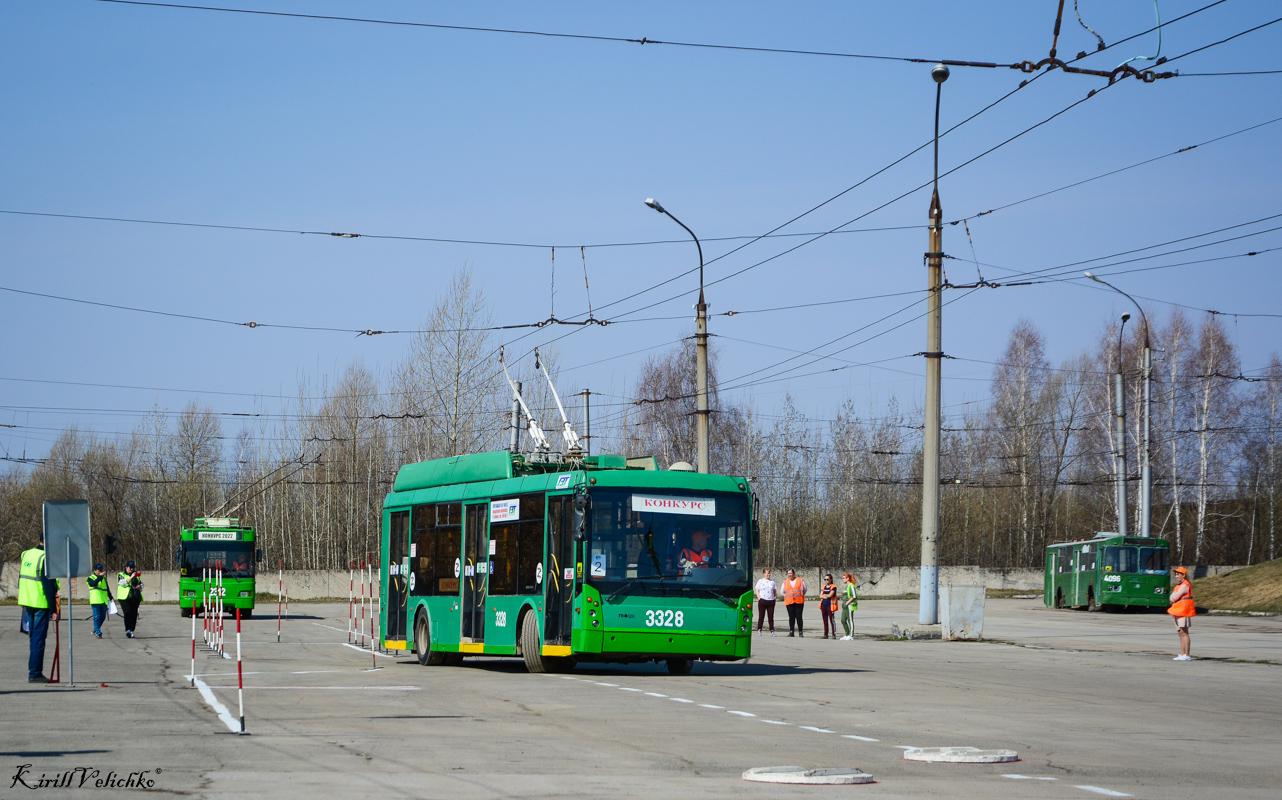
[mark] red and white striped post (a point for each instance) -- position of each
(204, 602)
(362, 625)
(280, 589)
(221, 624)
(378, 616)
(240, 676)
(351, 603)
(193, 639)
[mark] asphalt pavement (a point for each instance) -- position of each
(1092, 703)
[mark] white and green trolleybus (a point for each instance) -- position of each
(583, 558)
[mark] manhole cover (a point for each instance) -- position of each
(959, 755)
(835, 776)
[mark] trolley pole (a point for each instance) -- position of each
(928, 607)
(515, 444)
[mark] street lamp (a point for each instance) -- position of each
(928, 607)
(701, 348)
(1146, 470)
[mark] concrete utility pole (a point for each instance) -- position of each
(1119, 410)
(1146, 457)
(515, 445)
(928, 609)
(701, 348)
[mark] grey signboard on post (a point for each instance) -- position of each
(67, 551)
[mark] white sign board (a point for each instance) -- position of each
(504, 511)
(217, 536)
(659, 504)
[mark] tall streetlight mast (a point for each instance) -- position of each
(1146, 470)
(928, 609)
(701, 348)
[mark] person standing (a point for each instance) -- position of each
(794, 599)
(99, 597)
(828, 605)
(765, 592)
(129, 595)
(38, 596)
(849, 602)
(1183, 611)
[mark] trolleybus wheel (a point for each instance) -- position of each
(680, 666)
(247, 613)
(186, 612)
(1091, 603)
(423, 645)
(532, 644)
(1059, 598)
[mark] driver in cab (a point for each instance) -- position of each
(697, 555)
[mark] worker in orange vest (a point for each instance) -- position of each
(794, 599)
(1183, 611)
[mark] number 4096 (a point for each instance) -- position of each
(664, 619)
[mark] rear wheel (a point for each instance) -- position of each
(1059, 598)
(532, 643)
(186, 612)
(247, 613)
(680, 666)
(1091, 604)
(423, 644)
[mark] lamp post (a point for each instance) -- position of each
(1146, 470)
(701, 348)
(928, 608)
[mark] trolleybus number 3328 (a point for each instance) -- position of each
(664, 619)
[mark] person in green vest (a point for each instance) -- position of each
(99, 597)
(129, 596)
(849, 602)
(38, 596)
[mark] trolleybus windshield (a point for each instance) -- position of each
(668, 543)
(236, 558)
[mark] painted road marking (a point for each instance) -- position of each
(1098, 790)
(860, 738)
(741, 713)
(816, 730)
(627, 689)
(906, 747)
(232, 724)
(705, 705)
(655, 694)
(775, 722)
(331, 627)
(680, 700)
(612, 685)
(343, 688)
(1028, 777)
(363, 650)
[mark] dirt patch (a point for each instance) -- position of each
(1256, 588)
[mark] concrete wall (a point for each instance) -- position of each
(163, 585)
(872, 581)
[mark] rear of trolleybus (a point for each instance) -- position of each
(667, 572)
(217, 544)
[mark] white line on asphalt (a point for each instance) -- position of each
(318, 688)
(705, 705)
(741, 713)
(615, 685)
(680, 700)
(331, 627)
(626, 689)
(569, 677)
(655, 694)
(364, 650)
(775, 722)
(816, 730)
(860, 738)
(1098, 790)
(219, 709)
(906, 746)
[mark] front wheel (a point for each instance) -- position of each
(423, 644)
(532, 644)
(247, 613)
(680, 666)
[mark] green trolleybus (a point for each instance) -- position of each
(1108, 570)
(596, 558)
(211, 543)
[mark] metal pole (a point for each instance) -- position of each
(1146, 473)
(351, 602)
(1120, 412)
(587, 421)
(280, 590)
(193, 640)
(71, 628)
(240, 675)
(515, 445)
(928, 605)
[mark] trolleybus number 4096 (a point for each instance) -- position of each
(664, 619)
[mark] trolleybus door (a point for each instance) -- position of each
(476, 565)
(398, 566)
(559, 567)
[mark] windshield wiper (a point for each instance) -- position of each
(720, 597)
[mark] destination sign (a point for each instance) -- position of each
(658, 504)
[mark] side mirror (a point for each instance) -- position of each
(756, 523)
(258, 555)
(582, 504)
(178, 554)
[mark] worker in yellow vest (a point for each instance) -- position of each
(99, 597)
(794, 599)
(129, 595)
(1183, 610)
(38, 596)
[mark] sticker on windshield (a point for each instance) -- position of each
(659, 504)
(504, 510)
(598, 565)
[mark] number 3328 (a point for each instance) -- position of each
(664, 619)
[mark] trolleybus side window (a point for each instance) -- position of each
(1063, 560)
(1086, 561)
(449, 546)
(1153, 560)
(1123, 560)
(518, 548)
(423, 562)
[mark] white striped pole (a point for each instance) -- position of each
(361, 629)
(351, 603)
(240, 676)
(378, 617)
(204, 603)
(280, 589)
(193, 638)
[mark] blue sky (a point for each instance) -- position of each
(231, 119)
